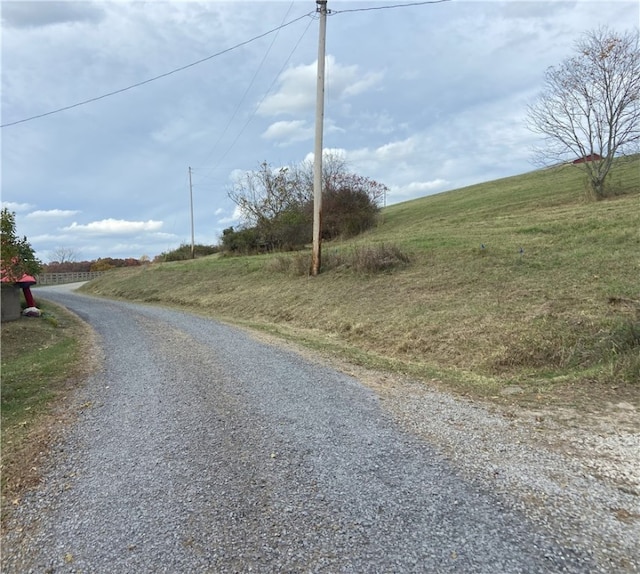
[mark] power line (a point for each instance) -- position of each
(202, 60)
(389, 7)
(313, 15)
(148, 81)
(257, 107)
(255, 75)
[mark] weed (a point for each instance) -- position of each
(625, 337)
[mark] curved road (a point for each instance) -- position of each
(203, 450)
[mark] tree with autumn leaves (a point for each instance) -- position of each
(17, 255)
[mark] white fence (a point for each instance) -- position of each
(72, 277)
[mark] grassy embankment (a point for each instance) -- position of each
(550, 304)
(561, 320)
(42, 362)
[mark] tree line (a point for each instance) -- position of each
(101, 264)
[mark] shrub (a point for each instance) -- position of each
(183, 252)
(241, 242)
(346, 212)
(296, 264)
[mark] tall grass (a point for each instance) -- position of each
(504, 281)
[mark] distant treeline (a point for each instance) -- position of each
(101, 264)
(106, 263)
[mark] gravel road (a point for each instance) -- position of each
(200, 448)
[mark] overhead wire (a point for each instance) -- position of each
(388, 7)
(257, 107)
(158, 77)
(331, 12)
(253, 79)
(210, 57)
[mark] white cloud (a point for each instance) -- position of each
(52, 213)
(51, 239)
(115, 226)
(297, 93)
(289, 132)
(235, 217)
(397, 150)
(418, 188)
(17, 207)
(162, 235)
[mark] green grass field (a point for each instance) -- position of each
(551, 303)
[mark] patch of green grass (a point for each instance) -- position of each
(29, 380)
(42, 361)
(530, 307)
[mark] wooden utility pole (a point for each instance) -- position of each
(193, 244)
(317, 156)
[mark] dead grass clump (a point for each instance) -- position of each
(297, 264)
(528, 355)
(370, 259)
(621, 348)
(581, 345)
(379, 258)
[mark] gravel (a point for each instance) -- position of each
(199, 448)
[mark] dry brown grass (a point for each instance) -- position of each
(532, 307)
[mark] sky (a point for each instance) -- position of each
(424, 99)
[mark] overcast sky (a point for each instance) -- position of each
(423, 99)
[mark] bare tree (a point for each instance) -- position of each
(276, 205)
(263, 194)
(589, 109)
(267, 193)
(64, 255)
(337, 176)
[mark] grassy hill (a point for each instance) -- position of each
(521, 281)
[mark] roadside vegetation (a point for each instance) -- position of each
(521, 291)
(523, 284)
(43, 359)
(277, 204)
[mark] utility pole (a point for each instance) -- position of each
(193, 245)
(317, 156)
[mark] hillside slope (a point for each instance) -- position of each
(521, 280)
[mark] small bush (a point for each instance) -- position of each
(333, 259)
(377, 258)
(301, 264)
(346, 213)
(183, 253)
